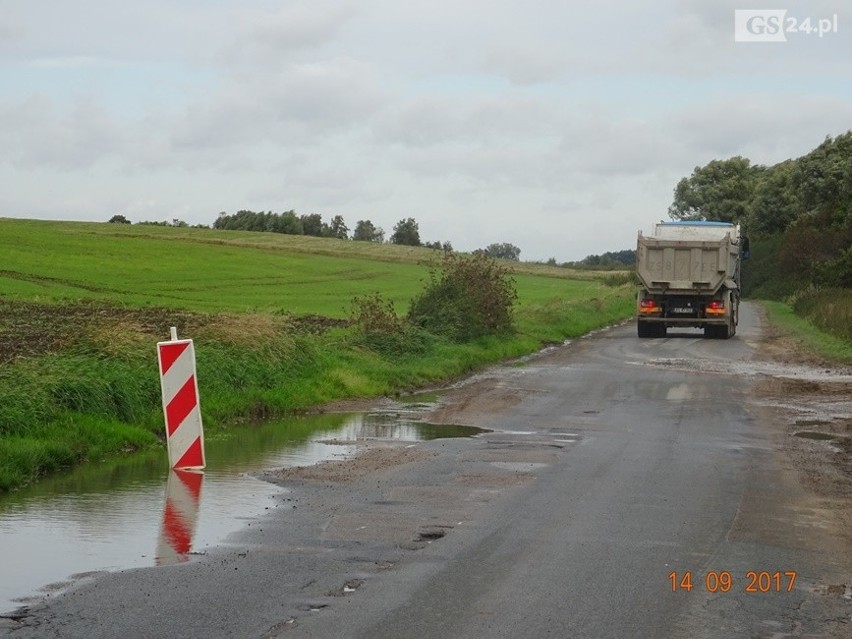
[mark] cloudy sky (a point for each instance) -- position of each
(561, 127)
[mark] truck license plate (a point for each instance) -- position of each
(685, 311)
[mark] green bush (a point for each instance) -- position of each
(837, 272)
(466, 298)
(373, 314)
(379, 328)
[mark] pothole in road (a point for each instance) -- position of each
(396, 427)
(812, 434)
(351, 586)
(426, 536)
(812, 422)
(431, 534)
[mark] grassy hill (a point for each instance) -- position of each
(82, 306)
(208, 270)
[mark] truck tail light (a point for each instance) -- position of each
(716, 307)
(648, 306)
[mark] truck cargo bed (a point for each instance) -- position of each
(667, 263)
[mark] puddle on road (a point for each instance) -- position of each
(133, 512)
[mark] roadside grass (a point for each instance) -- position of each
(79, 323)
(829, 309)
(811, 336)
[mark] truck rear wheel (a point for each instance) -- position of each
(715, 331)
(650, 329)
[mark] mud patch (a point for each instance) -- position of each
(812, 418)
(373, 459)
(471, 402)
(777, 346)
(803, 374)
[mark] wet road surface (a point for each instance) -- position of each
(614, 463)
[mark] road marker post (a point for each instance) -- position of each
(181, 408)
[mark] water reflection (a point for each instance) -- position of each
(180, 516)
(111, 515)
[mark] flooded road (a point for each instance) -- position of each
(133, 512)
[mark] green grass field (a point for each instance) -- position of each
(207, 270)
(82, 306)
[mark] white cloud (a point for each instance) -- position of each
(36, 134)
(265, 38)
(528, 61)
(577, 119)
(480, 118)
(298, 103)
(754, 126)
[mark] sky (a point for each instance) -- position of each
(561, 127)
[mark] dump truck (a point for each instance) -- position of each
(690, 276)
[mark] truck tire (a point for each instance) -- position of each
(644, 329)
(660, 330)
(715, 331)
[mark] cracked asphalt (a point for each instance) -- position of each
(603, 474)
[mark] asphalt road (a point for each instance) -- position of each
(612, 463)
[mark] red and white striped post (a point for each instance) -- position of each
(184, 432)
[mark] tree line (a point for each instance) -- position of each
(406, 232)
(798, 214)
(611, 260)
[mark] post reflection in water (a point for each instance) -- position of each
(180, 516)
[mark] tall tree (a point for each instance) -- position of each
(366, 231)
(338, 228)
(503, 251)
(312, 224)
(720, 191)
(823, 178)
(290, 224)
(775, 204)
(406, 232)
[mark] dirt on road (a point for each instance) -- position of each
(811, 416)
(807, 398)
